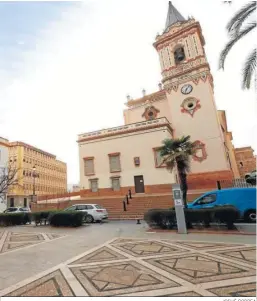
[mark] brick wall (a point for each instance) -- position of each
(58, 195)
(208, 180)
(246, 161)
(196, 181)
(136, 209)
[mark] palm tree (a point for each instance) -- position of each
(237, 31)
(176, 153)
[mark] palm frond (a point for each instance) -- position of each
(177, 152)
(170, 165)
(249, 69)
(233, 41)
(237, 21)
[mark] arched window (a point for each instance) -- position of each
(179, 55)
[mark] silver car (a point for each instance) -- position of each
(16, 210)
(95, 213)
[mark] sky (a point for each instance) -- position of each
(66, 68)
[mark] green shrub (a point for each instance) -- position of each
(197, 216)
(13, 219)
(161, 218)
(70, 219)
(225, 214)
(42, 216)
(166, 218)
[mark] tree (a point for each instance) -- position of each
(9, 177)
(237, 29)
(176, 153)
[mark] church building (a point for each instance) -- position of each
(126, 157)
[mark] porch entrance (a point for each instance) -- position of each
(139, 184)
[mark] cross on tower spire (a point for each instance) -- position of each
(173, 16)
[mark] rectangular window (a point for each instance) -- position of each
(158, 158)
(94, 185)
(89, 166)
(114, 160)
(116, 184)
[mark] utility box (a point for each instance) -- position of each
(179, 208)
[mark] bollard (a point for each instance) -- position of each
(130, 196)
(127, 199)
(218, 185)
(124, 206)
(138, 222)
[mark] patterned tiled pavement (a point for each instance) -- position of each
(10, 241)
(143, 267)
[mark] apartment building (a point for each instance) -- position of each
(4, 144)
(38, 173)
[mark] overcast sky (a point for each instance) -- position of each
(66, 68)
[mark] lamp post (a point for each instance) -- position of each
(34, 182)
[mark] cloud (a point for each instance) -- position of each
(73, 74)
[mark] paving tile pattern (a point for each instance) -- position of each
(144, 267)
(103, 254)
(10, 241)
(247, 255)
(200, 269)
(114, 279)
(52, 285)
(146, 248)
(240, 290)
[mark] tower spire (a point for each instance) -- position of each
(173, 16)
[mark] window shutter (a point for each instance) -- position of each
(89, 166)
(115, 163)
(116, 184)
(159, 159)
(94, 185)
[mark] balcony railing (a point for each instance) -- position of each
(121, 129)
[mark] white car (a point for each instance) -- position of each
(16, 210)
(94, 212)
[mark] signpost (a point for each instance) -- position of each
(179, 208)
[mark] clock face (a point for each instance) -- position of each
(186, 89)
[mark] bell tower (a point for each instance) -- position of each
(188, 83)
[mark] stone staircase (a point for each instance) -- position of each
(138, 205)
(136, 208)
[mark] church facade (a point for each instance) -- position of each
(127, 157)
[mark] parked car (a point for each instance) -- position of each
(251, 178)
(17, 210)
(244, 199)
(94, 212)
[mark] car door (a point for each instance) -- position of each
(206, 201)
(90, 210)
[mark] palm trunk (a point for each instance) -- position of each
(183, 185)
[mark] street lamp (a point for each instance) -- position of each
(34, 182)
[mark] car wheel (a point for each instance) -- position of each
(250, 216)
(89, 219)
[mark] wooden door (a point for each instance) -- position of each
(139, 184)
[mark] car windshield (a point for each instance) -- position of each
(11, 209)
(99, 207)
(70, 209)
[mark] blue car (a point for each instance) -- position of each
(244, 199)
